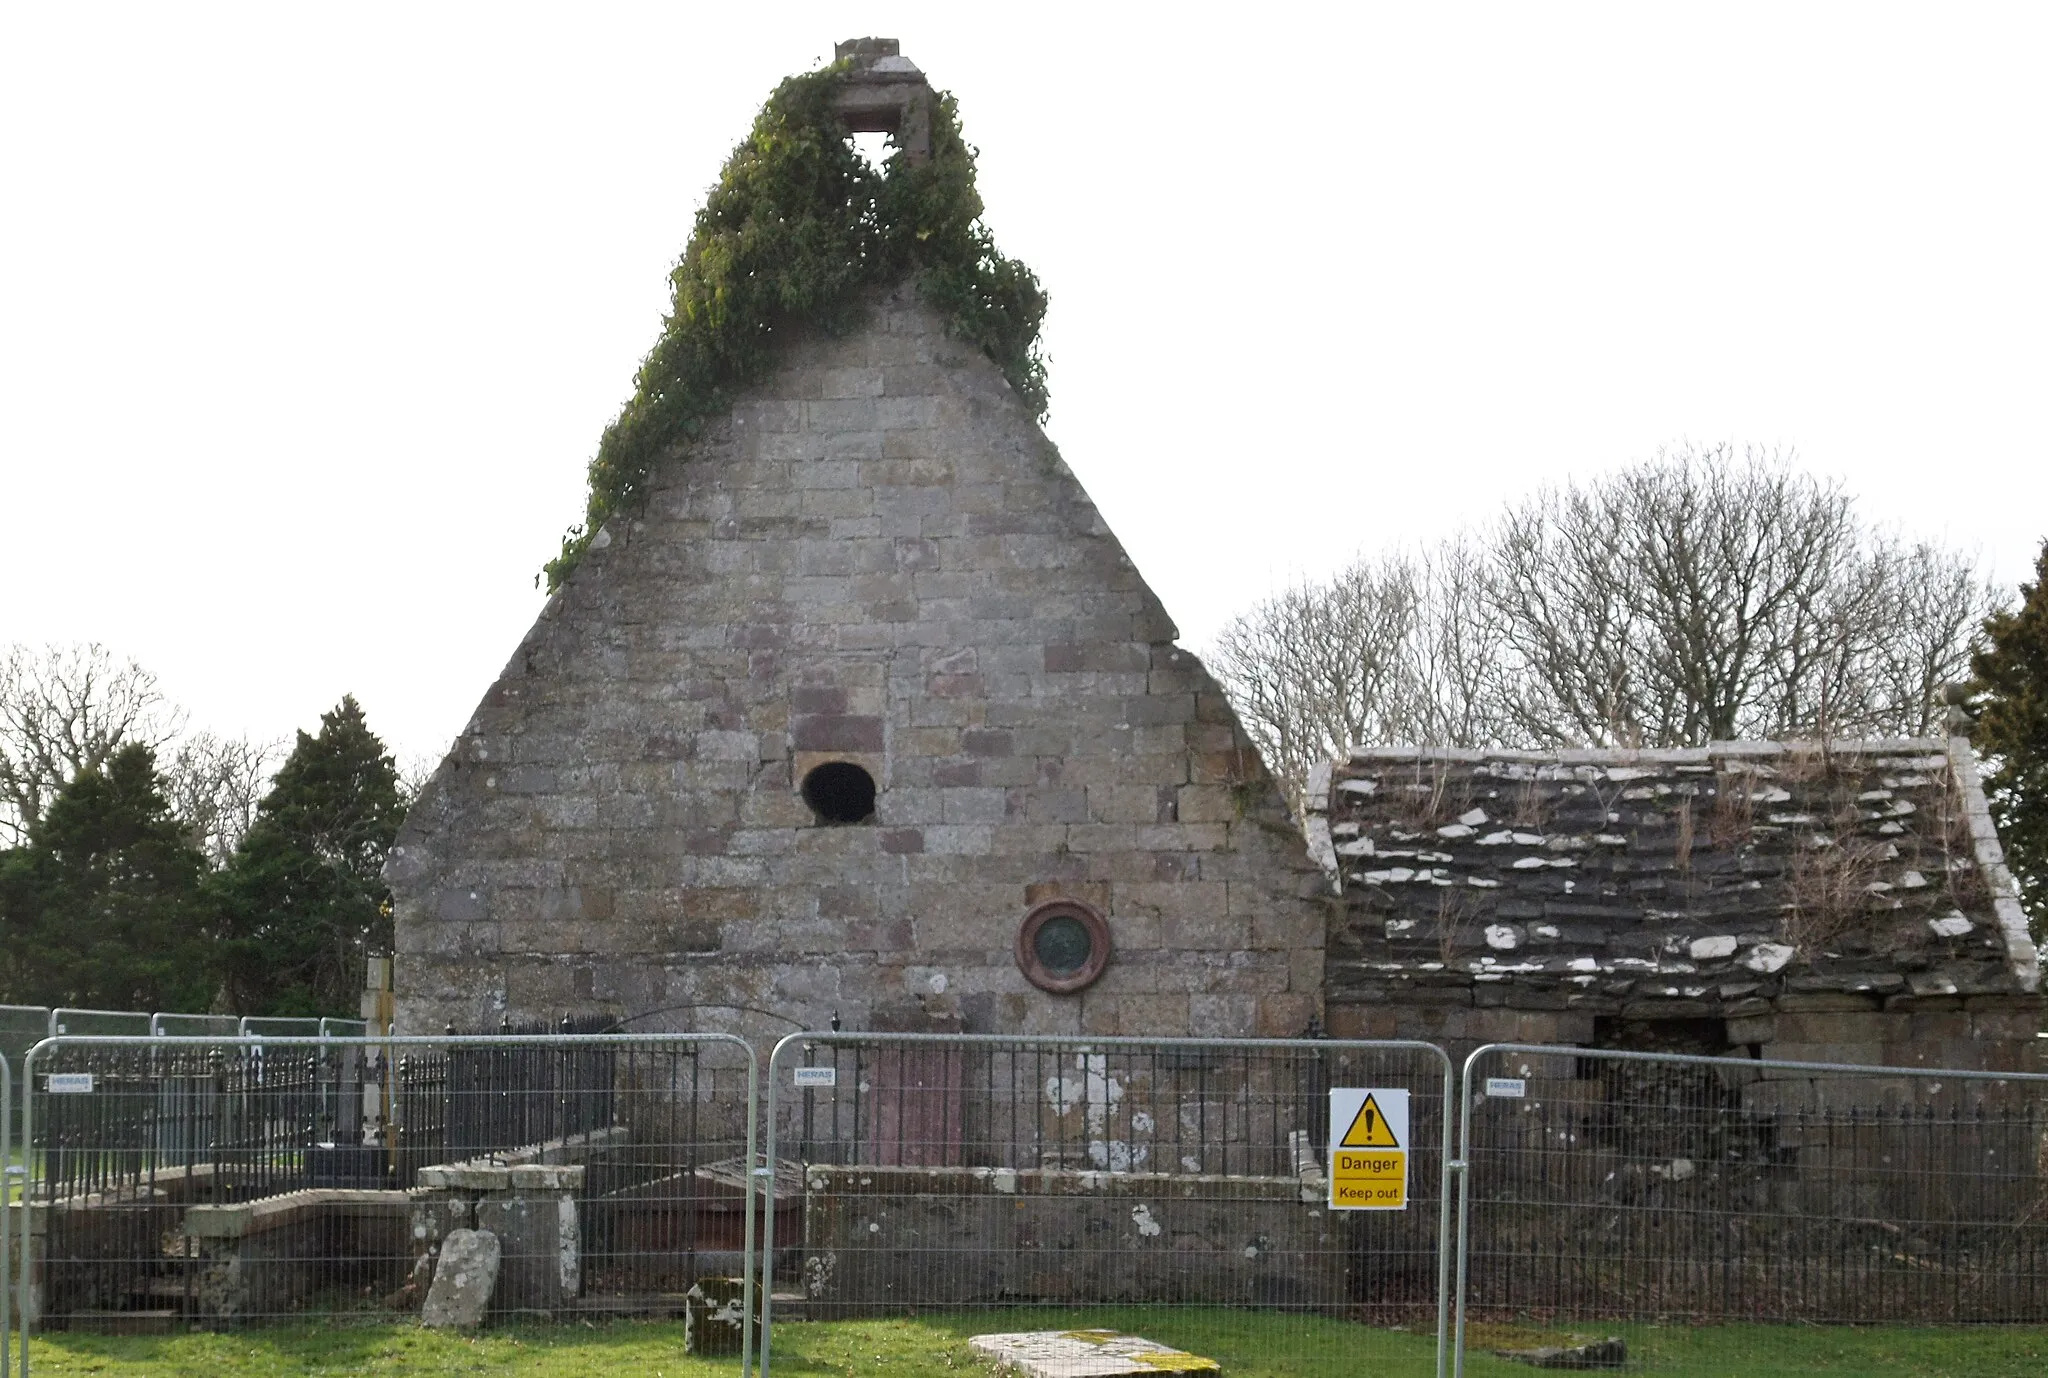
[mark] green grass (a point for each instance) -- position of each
(1248, 1345)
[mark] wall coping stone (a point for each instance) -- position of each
(2005, 893)
(237, 1220)
(499, 1177)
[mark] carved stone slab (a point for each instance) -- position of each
(1084, 1354)
(463, 1281)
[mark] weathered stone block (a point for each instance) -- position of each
(465, 1277)
(1753, 1030)
(540, 1260)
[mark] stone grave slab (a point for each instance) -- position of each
(464, 1279)
(1084, 1354)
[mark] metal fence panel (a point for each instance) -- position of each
(102, 1023)
(7, 1180)
(1047, 1183)
(277, 1026)
(222, 1182)
(1639, 1196)
(21, 1028)
(191, 1025)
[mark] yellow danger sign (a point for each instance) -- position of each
(1368, 1149)
(1369, 1128)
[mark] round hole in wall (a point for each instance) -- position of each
(1062, 946)
(840, 792)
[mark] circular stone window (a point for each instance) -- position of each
(840, 792)
(1062, 946)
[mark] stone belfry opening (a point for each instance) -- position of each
(885, 93)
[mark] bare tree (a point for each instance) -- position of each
(214, 784)
(1709, 596)
(1939, 604)
(1388, 650)
(1669, 603)
(1461, 696)
(1322, 665)
(1706, 595)
(413, 774)
(67, 709)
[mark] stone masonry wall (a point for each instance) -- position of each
(877, 557)
(1139, 1238)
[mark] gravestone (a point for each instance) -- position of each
(463, 1281)
(1084, 1354)
(715, 1317)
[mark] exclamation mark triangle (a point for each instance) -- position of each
(1369, 1129)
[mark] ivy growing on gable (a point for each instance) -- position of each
(799, 230)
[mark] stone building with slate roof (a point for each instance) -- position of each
(1839, 904)
(867, 715)
(862, 713)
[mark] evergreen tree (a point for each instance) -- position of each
(2012, 729)
(104, 907)
(304, 894)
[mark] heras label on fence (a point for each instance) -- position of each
(1368, 1149)
(70, 1083)
(814, 1076)
(1510, 1088)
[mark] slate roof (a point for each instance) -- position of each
(1667, 882)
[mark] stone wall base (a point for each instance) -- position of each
(880, 1239)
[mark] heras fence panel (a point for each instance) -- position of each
(97, 1023)
(9, 1175)
(1175, 1188)
(277, 1026)
(228, 1182)
(1668, 1212)
(190, 1025)
(21, 1028)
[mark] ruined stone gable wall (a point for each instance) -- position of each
(877, 557)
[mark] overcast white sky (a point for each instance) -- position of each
(311, 316)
